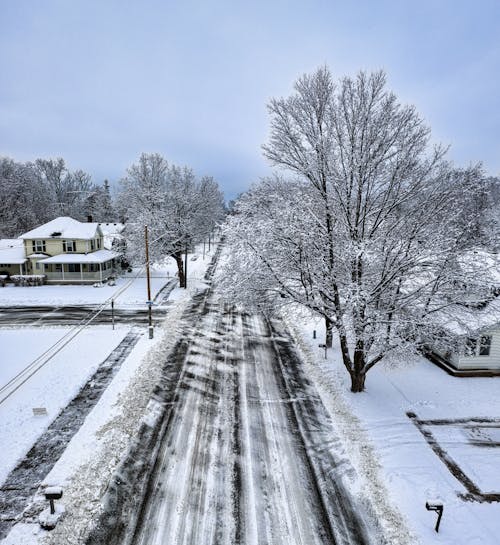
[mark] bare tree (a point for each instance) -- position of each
(169, 199)
(67, 190)
(24, 198)
(372, 244)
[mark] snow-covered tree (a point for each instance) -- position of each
(177, 208)
(24, 198)
(97, 203)
(67, 189)
(367, 235)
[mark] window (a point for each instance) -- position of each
(38, 246)
(99, 243)
(73, 267)
(470, 346)
(93, 267)
(485, 345)
(92, 245)
(478, 346)
(69, 245)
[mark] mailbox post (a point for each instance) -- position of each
(53, 493)
(326, 349)
(50, 517)
(437, 506)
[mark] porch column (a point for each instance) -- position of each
(81, 272)
(100, 271)
(62, 270)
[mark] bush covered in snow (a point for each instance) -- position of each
(28, 279)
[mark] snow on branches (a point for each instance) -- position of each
(368, 232)
(178, 209)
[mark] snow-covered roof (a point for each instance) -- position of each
(63, 227)
(37, 256)
(12, 251)
(99, 256)
(111, 232)
(468, 321)
(111, 228)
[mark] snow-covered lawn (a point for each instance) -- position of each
(55, 295)
(135, 285)
(52, 387)
(461, 418)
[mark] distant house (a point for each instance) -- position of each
(479, 351)
(12, 257)
(476, 326)
(68, 251)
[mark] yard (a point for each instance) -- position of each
(416, 435)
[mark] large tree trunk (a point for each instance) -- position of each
(180, 269)
(357, 381)
(356, 366)
(358, 373)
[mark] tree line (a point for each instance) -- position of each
(179, 208)
(32, 193)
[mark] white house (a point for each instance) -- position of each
(478, 333)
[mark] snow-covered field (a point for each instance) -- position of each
(53, 386)
(461, 414)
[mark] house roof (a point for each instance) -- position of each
(111, 232)
(472, 321)
(12, 251)
(111, 228)
(63, 227)
(100, 256)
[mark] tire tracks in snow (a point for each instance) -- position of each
(237, 462)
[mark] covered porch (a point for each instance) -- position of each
(79, 268)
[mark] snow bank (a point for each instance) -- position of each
(398, 469)
(52, 387)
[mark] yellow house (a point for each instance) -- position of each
(68, 251)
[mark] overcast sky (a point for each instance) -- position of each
(99, 82)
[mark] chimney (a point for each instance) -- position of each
(89, 219)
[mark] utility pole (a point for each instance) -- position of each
(149, 302)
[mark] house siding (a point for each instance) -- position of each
(492, 361)
(55, 246)
(11, 269)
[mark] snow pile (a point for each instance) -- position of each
(51, 388)
(417, 435)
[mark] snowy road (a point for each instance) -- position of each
(76, 314)
(247, 456)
